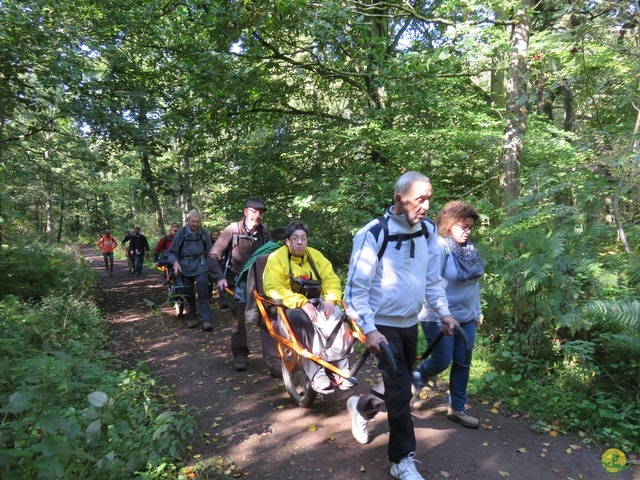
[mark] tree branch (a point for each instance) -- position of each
(34, 130)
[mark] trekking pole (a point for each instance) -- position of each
(386, 352)
(458, 331)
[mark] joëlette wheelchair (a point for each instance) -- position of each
(271, 315)
(178, 295)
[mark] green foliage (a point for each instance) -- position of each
(68, 411)
(561, 319)
(35, 270)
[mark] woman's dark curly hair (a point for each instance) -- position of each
(293, 226)
(452, 213)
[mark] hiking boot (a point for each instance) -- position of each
(240, 364)
(207, 327)
(192, 323)
(463, 418)
(405, 469)
(358, 423)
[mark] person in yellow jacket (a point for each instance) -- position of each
(304, 281)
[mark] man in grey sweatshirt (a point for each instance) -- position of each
(392, 268)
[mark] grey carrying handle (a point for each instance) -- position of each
(386, 358)
(458, 331)
(387, 364)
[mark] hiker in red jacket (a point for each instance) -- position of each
(107, 244)
(164, 244)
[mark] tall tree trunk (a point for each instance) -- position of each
(186, 195)
(49, 218)
(147, 177)
(567, 103)
(516, 115)
(499, 104)
(380, 51)
(59, 236)
(132, 202)
(47, 201)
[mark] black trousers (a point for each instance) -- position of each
(396, 394)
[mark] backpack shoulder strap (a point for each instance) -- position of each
(235, 235)
(313, 266)
(381, 226)
(399, 237)
(235, 229)
(204, 242)
(184, 232)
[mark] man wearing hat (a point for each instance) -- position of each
(237, 242)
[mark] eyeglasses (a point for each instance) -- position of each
(296, 239)
(465, 228)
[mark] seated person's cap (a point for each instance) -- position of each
(255, 203)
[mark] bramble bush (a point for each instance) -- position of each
(68, 410)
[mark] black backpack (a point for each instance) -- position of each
(383, 226)
(203, 238)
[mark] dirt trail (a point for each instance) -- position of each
(249, 422)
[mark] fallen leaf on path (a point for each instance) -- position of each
(522, 450)
(313, 428)
(444, 474)
(577, 448)
(362, 469)
(553, 433)
(503, 473)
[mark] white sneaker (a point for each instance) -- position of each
(406, 469)
(358, 423)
